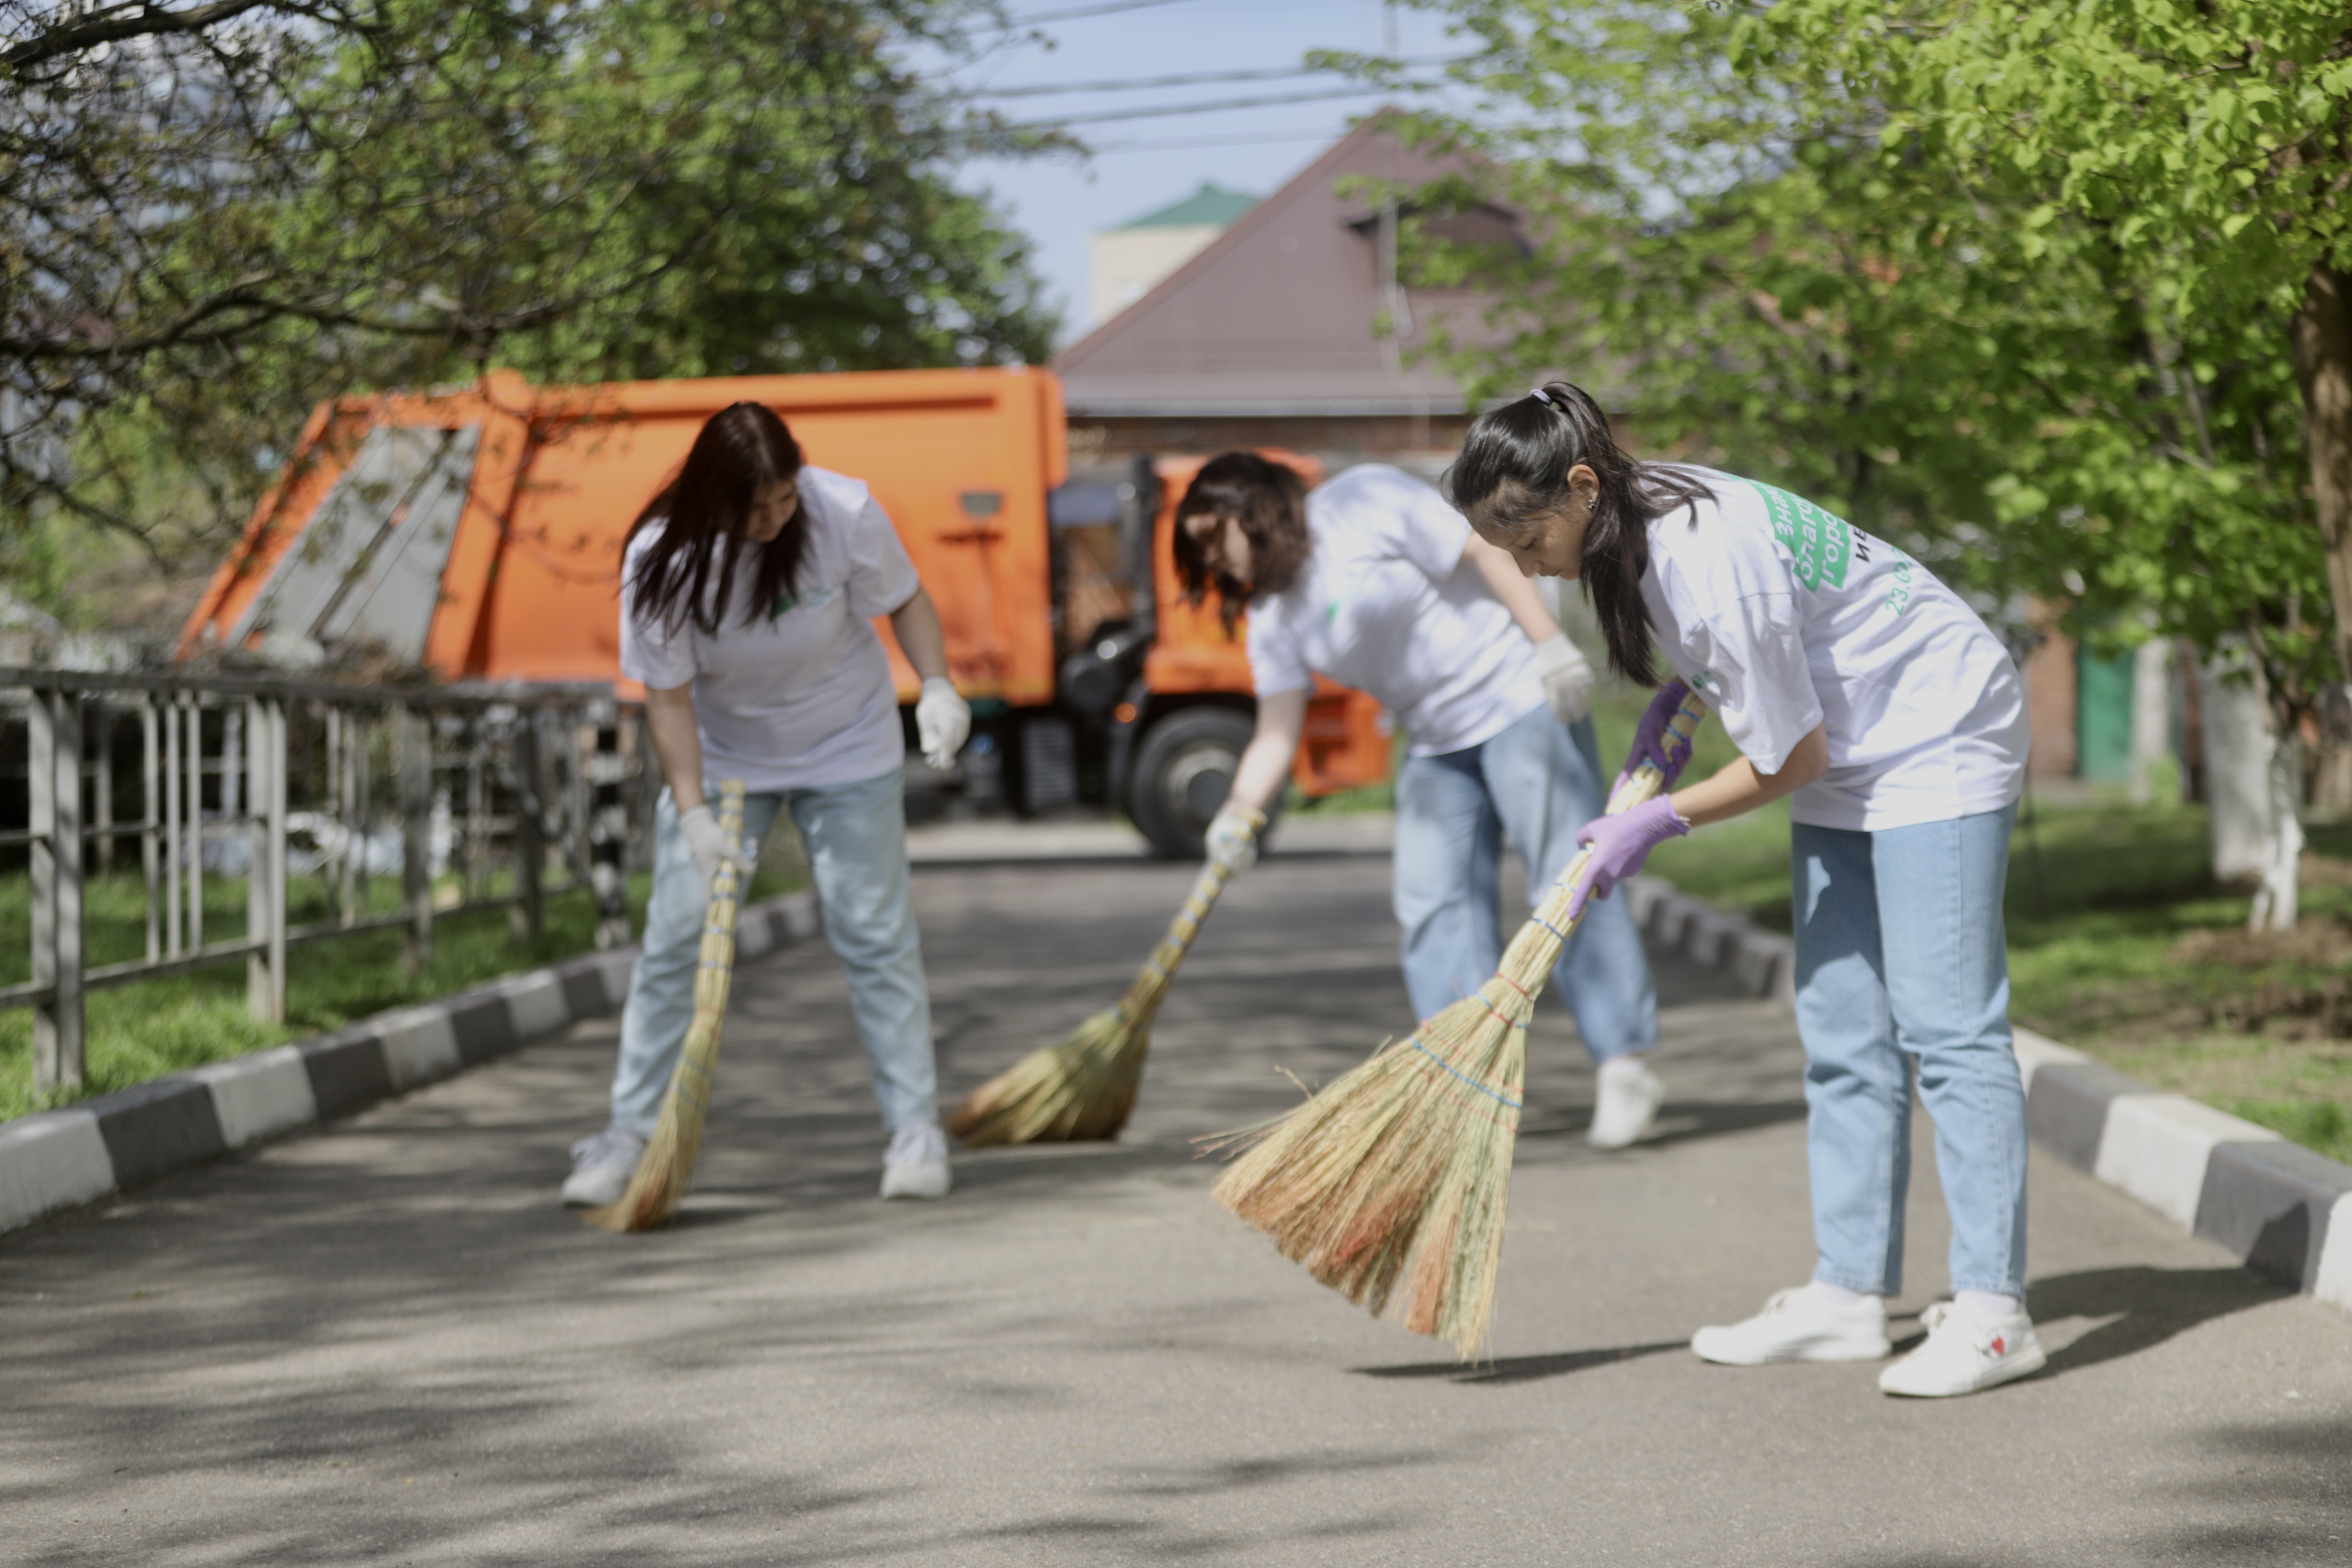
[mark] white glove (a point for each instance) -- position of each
(1232, 838)
(942, 721)
(711, 849)
(1568, 679)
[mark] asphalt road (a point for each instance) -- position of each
(385, 1343)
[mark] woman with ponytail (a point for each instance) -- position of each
(749, 587)
(1373, 581)
(1863, 691)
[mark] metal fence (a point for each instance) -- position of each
(470, 797)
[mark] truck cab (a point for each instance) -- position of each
(1161, 693)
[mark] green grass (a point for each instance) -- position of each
(141, 1031)
(2322, 1124)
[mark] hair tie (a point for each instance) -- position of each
(1540, 396)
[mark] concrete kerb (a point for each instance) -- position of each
(57, 1160)
(2281, 1209)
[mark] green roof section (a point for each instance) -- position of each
(1211, 205)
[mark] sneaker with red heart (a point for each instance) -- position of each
(1966, 1348)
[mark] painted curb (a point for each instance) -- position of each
(57, 1160)
(1763, 962)
(2282, 1210)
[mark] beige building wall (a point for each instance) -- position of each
(1126, 262)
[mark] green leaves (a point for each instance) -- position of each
(662, 188)
(2008, 284)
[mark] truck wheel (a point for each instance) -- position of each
(1182, 771)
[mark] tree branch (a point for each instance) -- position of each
(140, 19)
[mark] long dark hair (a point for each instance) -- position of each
(1513, 473)
(742, 449)
(1270, 500)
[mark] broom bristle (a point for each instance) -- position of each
(1391, 1185)
(1084, 1085)
(1081, 1086)
(1399, 1173)
(665, 1168)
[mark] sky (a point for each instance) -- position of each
(1140, 164)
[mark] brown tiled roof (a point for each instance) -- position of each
(1277, 315)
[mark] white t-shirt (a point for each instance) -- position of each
(1385, 603)
(801, 695)
(1783, 617)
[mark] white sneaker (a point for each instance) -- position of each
(1967, 1349)
(916, 1165)
(1799, 1324)
(601, 1168)
(1629, 1096)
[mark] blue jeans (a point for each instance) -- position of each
(856, 839)
(1901, 958)
(1540, 780)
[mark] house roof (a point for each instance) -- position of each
(1277, 315)
(1210, 205)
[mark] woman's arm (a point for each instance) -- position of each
(920, 637)
(1517, 591)
(1264, 766)
(678, 744)
(1741, 787)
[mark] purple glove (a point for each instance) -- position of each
(1652, 743)
(1619, 844)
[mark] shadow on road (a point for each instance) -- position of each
(1522, 1368)
(2149, 1306)
(1681, 1120)
(2301, 1473)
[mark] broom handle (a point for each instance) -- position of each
(1158, 971)
(715, 962)
(1537, 947)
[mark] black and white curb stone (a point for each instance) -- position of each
(2281, 1209)
(56, 1159)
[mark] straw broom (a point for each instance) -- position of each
(1392, 1183)
(1084, 1085)
(667, 1165)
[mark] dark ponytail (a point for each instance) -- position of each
(740, 450)
(1513, 473)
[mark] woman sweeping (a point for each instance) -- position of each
(1862, 689)
(1375, 581)
(747, 586)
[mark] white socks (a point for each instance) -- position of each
(1984, 1304)
(1837, 1295)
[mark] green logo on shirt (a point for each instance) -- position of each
(1822, 544)
(788, 601)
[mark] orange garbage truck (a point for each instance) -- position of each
(477, 533)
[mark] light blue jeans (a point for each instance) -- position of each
(1902, 960)
(1540, 780)
(855, 835)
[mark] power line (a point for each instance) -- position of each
(1076, 12)
(1197, 78)
(1109, 115)
(1233, 139)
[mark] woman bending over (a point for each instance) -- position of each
(1863, 690)
(1375, 581)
